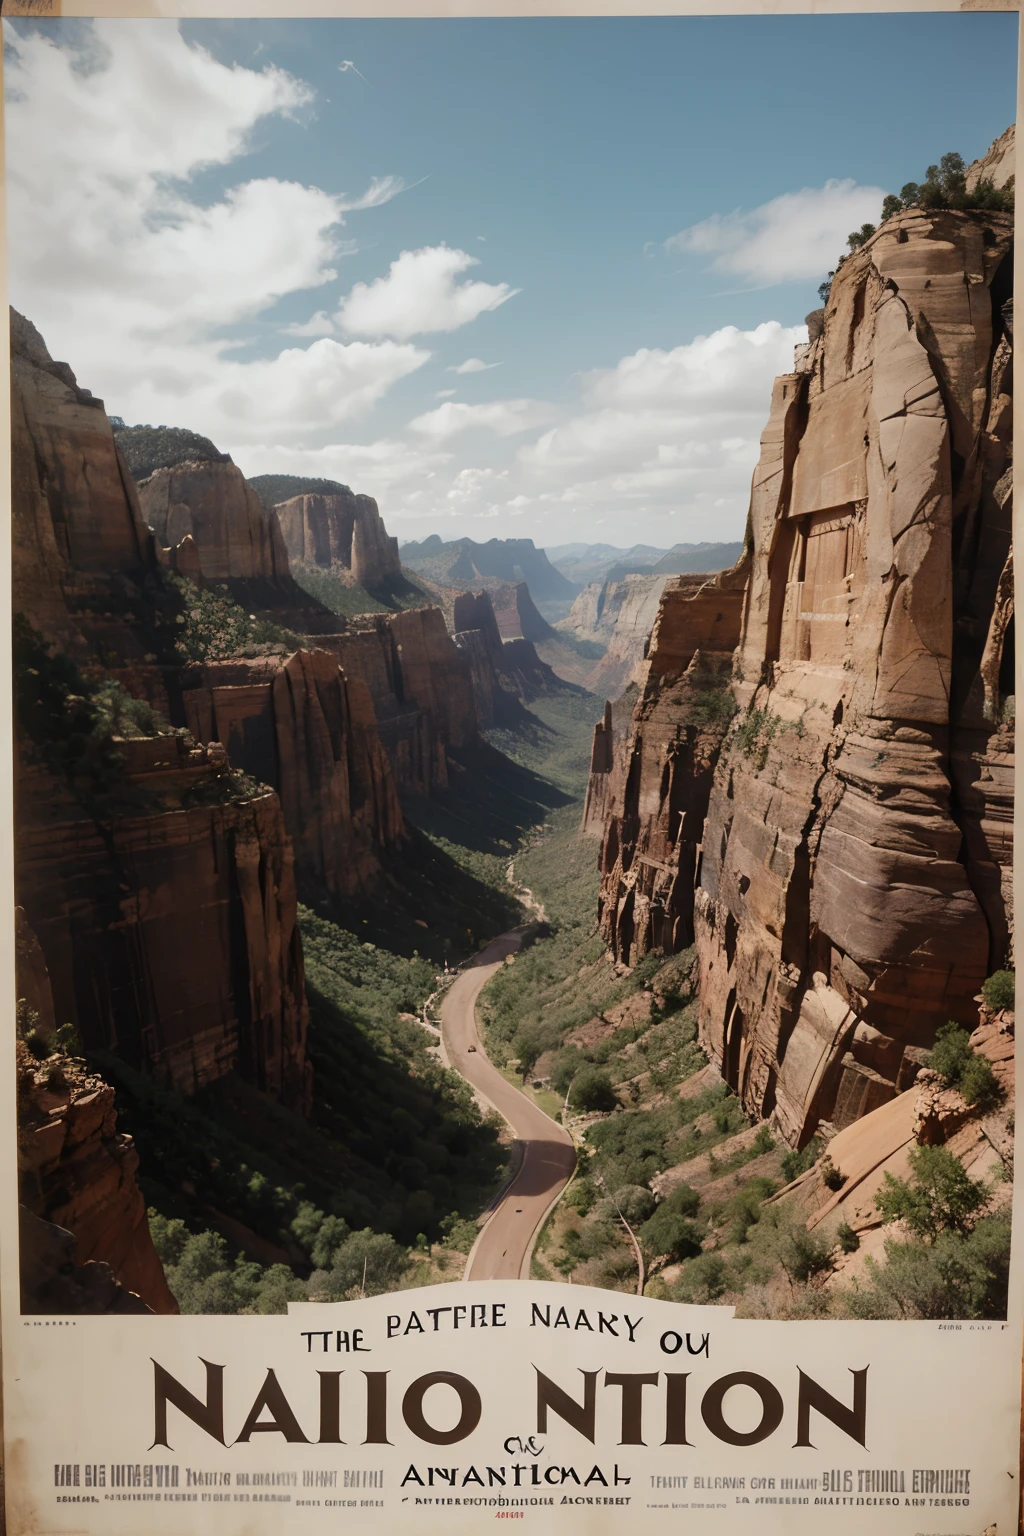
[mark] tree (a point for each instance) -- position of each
(940, 1197)
(860, 236)
(367, 1262)
(998, 990)
(592, 1090)
(970, 1074)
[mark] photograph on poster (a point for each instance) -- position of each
(513, 660)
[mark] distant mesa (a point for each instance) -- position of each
(586, 563)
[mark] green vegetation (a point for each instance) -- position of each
(755, 734)
(592, 1090)
(944, 186)
(972, 1075)
(956, 1260)
(272, 489)
(150, 448)
(70, 721)
(334, 594)
(998, 990)
(216, 628)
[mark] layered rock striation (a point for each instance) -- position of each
(854, 872)
(308, 731)
(77, 1173)
(341, 533)
(650, 792)
(213, 506)
(189, 866)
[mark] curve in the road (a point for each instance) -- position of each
(503, 1249)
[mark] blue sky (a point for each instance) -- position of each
(578, 201)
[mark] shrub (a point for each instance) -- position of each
(958, 1065)
(763, 1141)
(367, 1263)
(710, 707)
(669, 1234)
(796, 1163)
(831, 1176)
(635, 1202)
(849, 1241)
(703, 1280)
(998, 990)
(756, 733)
(940, 1196)
(954, 1276)
(592, 1090)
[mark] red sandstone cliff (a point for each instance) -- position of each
(855, 865)
(184, 860)
(651, 795)
(214, 506)
(341, 533)
(78, 1173)
(310, 732)
(852, 861)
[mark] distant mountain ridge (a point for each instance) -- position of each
(586, 563)
(465, 563)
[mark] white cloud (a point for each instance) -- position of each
(445, 394)
(796, 236)
(420, 294)
(130, 277)
(668, 432)
(473, 365)
(374, 468)
(503, 417)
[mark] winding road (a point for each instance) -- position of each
(503, 1249)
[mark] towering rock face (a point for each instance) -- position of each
(76, 1172)
(421, 687)
(213, 505)
(853, 875)
(619, 615)
(652, 792)
(341, 533)
(181, 859)
(169, 928)
(505, 672)
(310, 733)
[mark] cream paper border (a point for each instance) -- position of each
(10, 1308)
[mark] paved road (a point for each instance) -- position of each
(548, 1153)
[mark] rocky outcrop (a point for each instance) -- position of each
(342, 533)
(618, 616)
(853, 878)
(652, 793)
(998, 164)
(309, 732)
(421, 688)
(213, 505)
(78, 1174)
(171, 854)
(192, 865)
(926, 1113)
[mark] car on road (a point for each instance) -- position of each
(471, 1047)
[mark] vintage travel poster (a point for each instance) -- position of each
(509, 631)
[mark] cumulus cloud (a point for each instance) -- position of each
(421, 293)
(668, 433)
(502, 417)
(129, 275)
(473, 365)
(378, 468)
(793, 237)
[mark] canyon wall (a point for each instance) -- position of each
(421, 687)
(127, 862)
(213, 505)
(651, 791)
(309, 732)
(854, 875)
(344, 534)
(185, 865)
(77, 1173)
